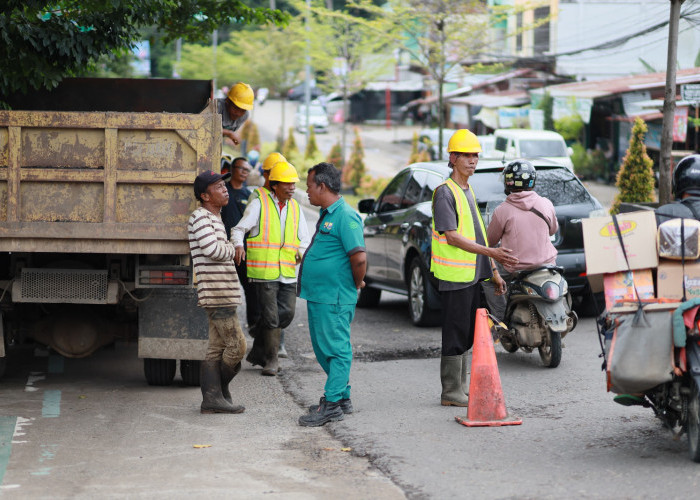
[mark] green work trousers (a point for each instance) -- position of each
(329, 326)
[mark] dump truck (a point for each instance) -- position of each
(96, 189)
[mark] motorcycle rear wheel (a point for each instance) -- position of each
(694, 421)
(550, 353)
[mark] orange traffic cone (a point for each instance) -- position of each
(487, 408)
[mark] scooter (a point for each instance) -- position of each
(538, 314)
(676, 402)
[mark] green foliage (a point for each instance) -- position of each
(290, 149)
(371, 187)
(253, 137)
(414, 149)
(335, 156)
(487, 69)
(588, 165)
(547, 105)
(570, 127)
(354, 170)
(635, 180)
(311, 147)
(45, 41)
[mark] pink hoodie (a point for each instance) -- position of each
(523, 231)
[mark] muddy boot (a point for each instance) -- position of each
(272, 345)
(212, 399)
(282, 353)
(227, 374)
(451, 378)
(256, 356)
(465, 369)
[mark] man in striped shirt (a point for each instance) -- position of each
(218, 292)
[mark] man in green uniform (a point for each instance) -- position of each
(337, 250)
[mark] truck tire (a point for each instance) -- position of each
(159, 371)
(189, 370)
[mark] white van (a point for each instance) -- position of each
(511, 143)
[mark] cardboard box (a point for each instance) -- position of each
(602, 245)
(669, 279)
(620, 286)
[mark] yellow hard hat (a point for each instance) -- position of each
(463, 141)
(271, 159)
(284, 172)
(242, 95)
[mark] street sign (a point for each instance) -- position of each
(690, 92)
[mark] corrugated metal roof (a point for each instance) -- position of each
(604, 88)
(495, 100)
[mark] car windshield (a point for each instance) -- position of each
(558, 185)
(542, 148)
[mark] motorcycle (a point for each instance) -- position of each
(675, 402)
(538, 314)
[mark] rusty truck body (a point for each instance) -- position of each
(95, 193)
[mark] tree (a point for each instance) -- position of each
(335, 156)
(45, 41)
(635, 180)
(311, 148)
(354, 170)
(290, 150)
(349, 51)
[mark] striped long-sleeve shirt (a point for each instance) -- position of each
(212, 257)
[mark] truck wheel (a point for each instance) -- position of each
(369, 297)
(550, 354)
(694, 421)
(159, 371)
(189, 370)
(421, 314)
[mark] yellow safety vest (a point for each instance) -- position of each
(448, 262)
(267, 255)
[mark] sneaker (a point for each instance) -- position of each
(345, 405)
(326, 412)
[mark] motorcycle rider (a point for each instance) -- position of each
(523, 222)
(686, 188)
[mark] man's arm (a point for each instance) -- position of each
(501, 254)
(210, 246)
(358, 265)
(234, 136)
(249, 222)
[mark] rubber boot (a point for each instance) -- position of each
(272, 346)
(228, 372)
(451, 378)
(256, 356)
(282, 353)
(465, 369)
(212, 399)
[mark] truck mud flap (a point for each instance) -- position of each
(171, 326)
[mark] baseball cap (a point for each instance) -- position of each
(203, 180)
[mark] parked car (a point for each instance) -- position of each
(298, 93)
(428, 140)
(514, 143)
(261, 95)
(397, 230)
(317, 117)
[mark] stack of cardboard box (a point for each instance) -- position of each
(608, 271)
(606, 266)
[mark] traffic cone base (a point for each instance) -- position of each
(487, 406)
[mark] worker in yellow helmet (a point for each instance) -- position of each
(460, 259)
(234, 110)
(277, 238)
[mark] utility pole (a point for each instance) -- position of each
(307, 76)
(665, 195)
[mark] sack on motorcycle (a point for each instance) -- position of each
(670, 243)
(640, 353)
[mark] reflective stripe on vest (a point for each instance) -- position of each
(267, 256)
(448, 262)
